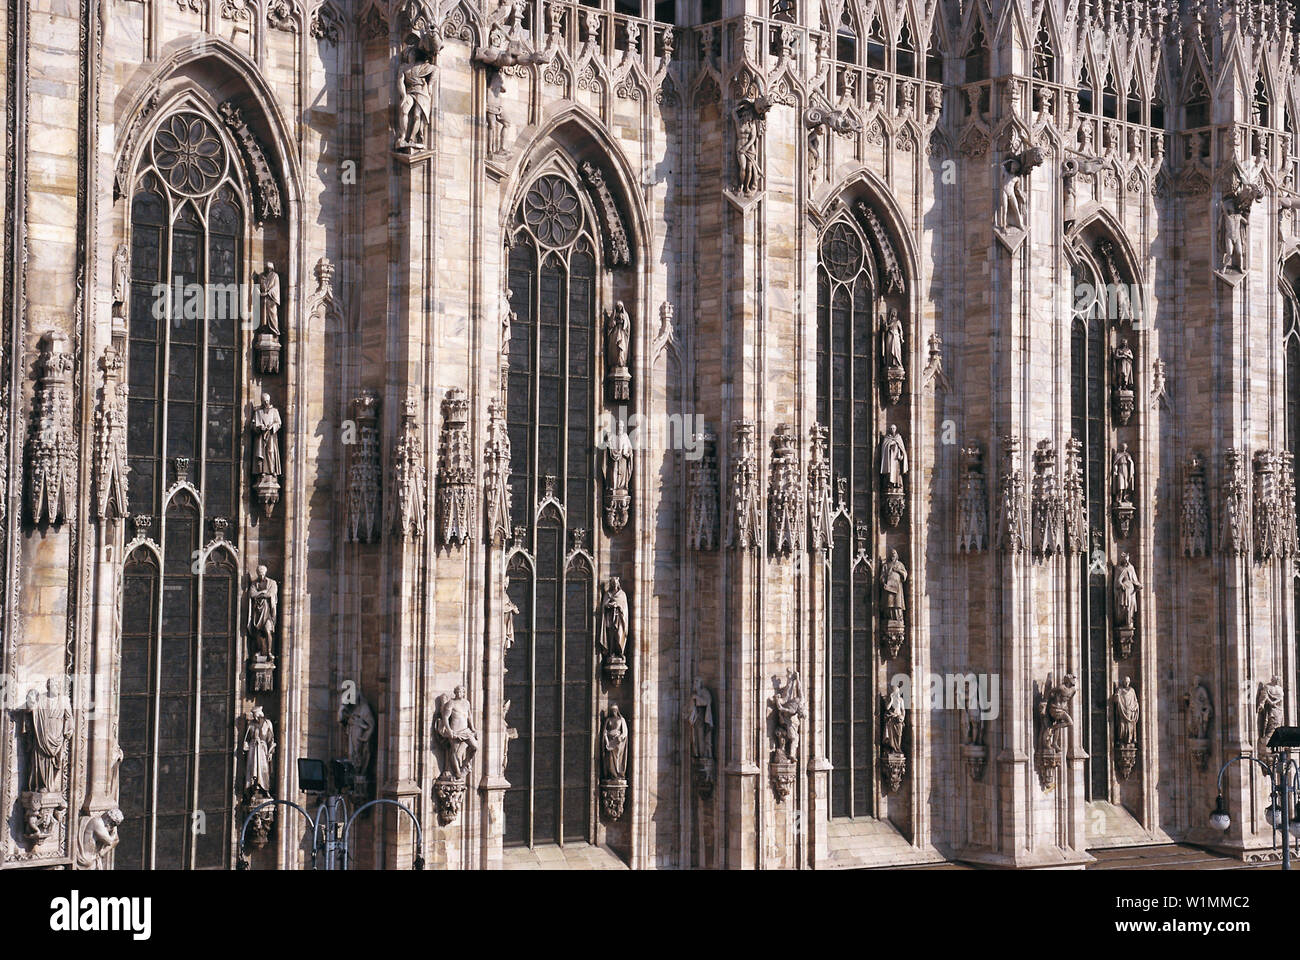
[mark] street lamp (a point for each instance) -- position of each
(1278, 811)
(312, 779)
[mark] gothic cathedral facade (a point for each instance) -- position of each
(764, 434)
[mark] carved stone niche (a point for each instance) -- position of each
(45, 722)
(455, 472)
(613, 763)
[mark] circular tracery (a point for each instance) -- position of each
(188, 153)
(552, 211)
(842, 252)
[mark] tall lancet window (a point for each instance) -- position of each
(846, 405)
(1103, 419)
(1291, 347)
(551, 406)
(180, 594)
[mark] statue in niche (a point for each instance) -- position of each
(749, 175)
(787, 711)
(700, 717)
(1123, 361)
(259, 746)
(613, 745)
(263, 610)
(1200, 711)
(268, 291)
(617, 468)
(454, 725)
(1123, 472)
(1125, 708)
(612, 634)
(891, 345)
(701, 721)
(1052, 708)
(48, 728)
(121, 281)
(893, 467)
(494, 112)
(415, 106)
(1269, 700)
(893, 601)
(894, 718)
(618, 335)
(266, 449)
(1233, 217)
(358, 721)
(1126, 587)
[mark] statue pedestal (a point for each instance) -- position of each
(1123, 643)
(1123, 515)
(895, 769)
(782, 771)
(449, 792)
(618, 504)
(1049, 767)
(613, 794)
(267, 348)
(893, 639)
(42, 814)
(1200, 750)
(619, 385)
(893, 506)
(703, 775)
(976, 756)
(616, 669)
(259, 828)
(268, 492)
(894, 377)
(262, 673)
(1125, 757)
(1123, 406)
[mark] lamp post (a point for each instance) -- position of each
(1284, 777)
(311, 779)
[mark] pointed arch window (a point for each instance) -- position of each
(551, 407)
(934, 59)
(1085, 89)
(1044, 57)
(846, 38)
(977, 56)
(1260, 108)
(905, 53)
(1198, 103)
(1133, 106)
(846, 407)
(180, 587)
(1109, 97)
(876, 47)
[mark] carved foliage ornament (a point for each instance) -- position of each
(110, 441)
(1011, 510)
(52, 443)
(1234, 538)
(266, 191)
(972, 501)
(1194, 521)
(1048, 505)
(363, 471)
(746, 500)
(785, 493)
(702, 518)
(496, 457)
(407, 502)
(455, 472)
(819, 488)
(618, 251)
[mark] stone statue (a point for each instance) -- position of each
(1126, 586)
(263, 611)
(1200, 711)
(415, 107)
(618, 333)
(1011, 194)
(701, 720)
(268, 290)
(259, 745)
(613, 746)
(618, 462)
(1268, 709)
(454, 724)
(1126, 712)
(358, 721)
(48, 728)
(494, 112)
(891, 344)
(99, 838)
(786, 711)
(974, 722)
(266, 441)
(893, 458)
(1054, 712)
(895, 716)
(121, 280)
(748, 173)
(1232, 233)
(1123, 363)
(893, 576)
(1122, 473)
(613, 620)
